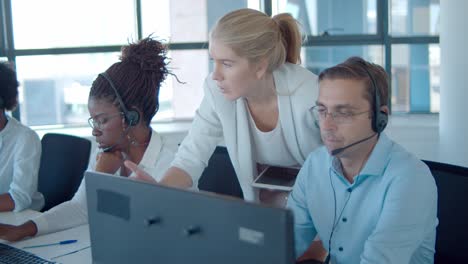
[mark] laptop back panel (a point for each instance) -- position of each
(135, 222)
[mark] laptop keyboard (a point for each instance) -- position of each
(9, 254)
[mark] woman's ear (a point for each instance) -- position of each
(261, 68)
(124, 123)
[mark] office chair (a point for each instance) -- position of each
(452, 211)
(63, 161)
(219, 176)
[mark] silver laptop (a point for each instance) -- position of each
(136, 222)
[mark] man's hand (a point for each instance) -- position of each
(316, 251)
(139, 174)
(273, 197)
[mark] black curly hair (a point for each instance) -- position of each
(8, 87)
(137, 77)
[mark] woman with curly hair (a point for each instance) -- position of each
(122, 101)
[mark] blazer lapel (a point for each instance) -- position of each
(241, 144)
(287, 117)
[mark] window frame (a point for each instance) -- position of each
(382, 37)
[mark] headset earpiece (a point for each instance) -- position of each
(381, 120)
(379, 117)
(132, 117)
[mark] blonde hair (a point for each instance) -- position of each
(255, 36)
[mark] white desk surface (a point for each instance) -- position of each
(79, 252)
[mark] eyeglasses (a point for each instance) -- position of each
(98, 121)
(320, 113)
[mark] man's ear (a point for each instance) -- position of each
(385, 109)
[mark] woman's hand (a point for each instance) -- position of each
(14, 233)
(174, 177)
(109, 162)
(139, 174)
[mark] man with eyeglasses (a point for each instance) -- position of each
(365, 196)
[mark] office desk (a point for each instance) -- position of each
(79, 252)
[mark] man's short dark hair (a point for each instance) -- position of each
(8, 87)
(354, 68)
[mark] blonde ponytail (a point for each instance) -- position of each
(255, 36)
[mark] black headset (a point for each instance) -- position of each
(131, 116)
(379, 117)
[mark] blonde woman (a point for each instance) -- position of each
(256, 101)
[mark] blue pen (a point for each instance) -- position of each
(65, 242)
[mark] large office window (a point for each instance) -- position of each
(415, 56)
(416, 78)
(400, 35)
(319, 58)
(185, 24)
(59, 47)
(73, 23)
(54, 88)
(414, 17)
(332, 17)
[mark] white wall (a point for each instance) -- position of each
(454, 81)
(417, 133)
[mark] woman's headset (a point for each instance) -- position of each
(131, 116)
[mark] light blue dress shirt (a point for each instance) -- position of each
(387, 215)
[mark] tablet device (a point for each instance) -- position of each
(277, 178)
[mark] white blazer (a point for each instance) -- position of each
(219, 119)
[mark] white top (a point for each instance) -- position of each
(20, 155)
(155, 161)
(270, 146)
(219, 119)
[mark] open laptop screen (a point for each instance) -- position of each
(136, 222)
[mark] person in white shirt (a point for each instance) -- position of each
(122, 102)
(256, 100)
(20, 152)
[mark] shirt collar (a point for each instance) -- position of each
(152, 151)
(12, 122)
(379, 157)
